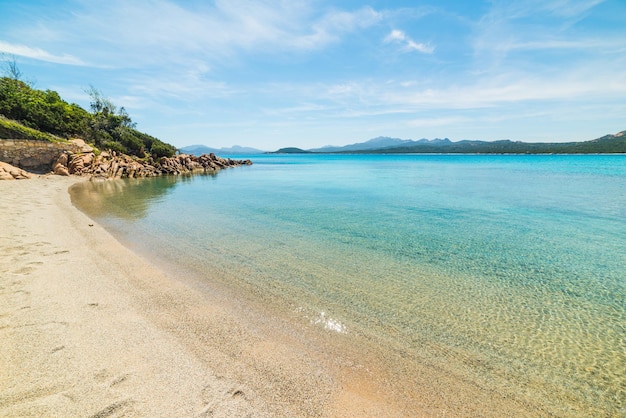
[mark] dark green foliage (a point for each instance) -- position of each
(113, 146)
(41, 110)
(291, 150)
(45, 111)
(161, 149)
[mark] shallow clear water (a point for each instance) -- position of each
(506, 271)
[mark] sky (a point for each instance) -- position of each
(276, 73)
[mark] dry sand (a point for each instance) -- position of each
(88, 328)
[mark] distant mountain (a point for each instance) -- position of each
(609, 144)
(379, 143)
(203, 149)
(375, 143)
(291, 150)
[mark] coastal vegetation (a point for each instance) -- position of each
(15, 130)
(41, 132)
(29, 113)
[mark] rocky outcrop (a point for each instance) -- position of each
(9, 172)
(114, 165)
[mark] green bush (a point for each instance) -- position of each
(41, 110)
(114, 146)
(161, 149)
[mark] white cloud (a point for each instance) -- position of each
(566, 8)
(438, 121)
(585, 84)
(335, 23)
(591, 83)
(397, 36)
(38, 54)
(161, 31)
(514, 9)
(536, 25)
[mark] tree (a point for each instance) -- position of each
(113, 128)
(99, 103)
(11, 70)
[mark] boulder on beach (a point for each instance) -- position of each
(9, 172)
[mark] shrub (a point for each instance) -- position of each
(161, 149)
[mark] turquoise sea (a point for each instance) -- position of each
(507, 272)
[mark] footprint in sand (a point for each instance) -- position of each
(115, 409)
(56, 349)
(23, 270)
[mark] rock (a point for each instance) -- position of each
(63, 159)
(10, 172)
(114, 165)
(82, 145)
(78, 162)
(60, 170)
(60, 167)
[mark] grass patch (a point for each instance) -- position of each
(10, 129)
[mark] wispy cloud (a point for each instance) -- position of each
(515, 10)
(438, 121)
(335, 23)
(510, 89)
(561, 8)
(372, 97)
(535, 24)
(150, 31)
(408, 44)
(38, 54)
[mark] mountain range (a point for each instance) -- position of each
(380, 142)
(203, 149)
(613, 143)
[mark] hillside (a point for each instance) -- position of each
(29, 113)
(15, 130)
(292, 150)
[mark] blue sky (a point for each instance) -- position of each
(270, 74)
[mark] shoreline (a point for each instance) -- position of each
(90, 328)
(75, 340)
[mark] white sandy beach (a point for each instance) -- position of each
(87, 328)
